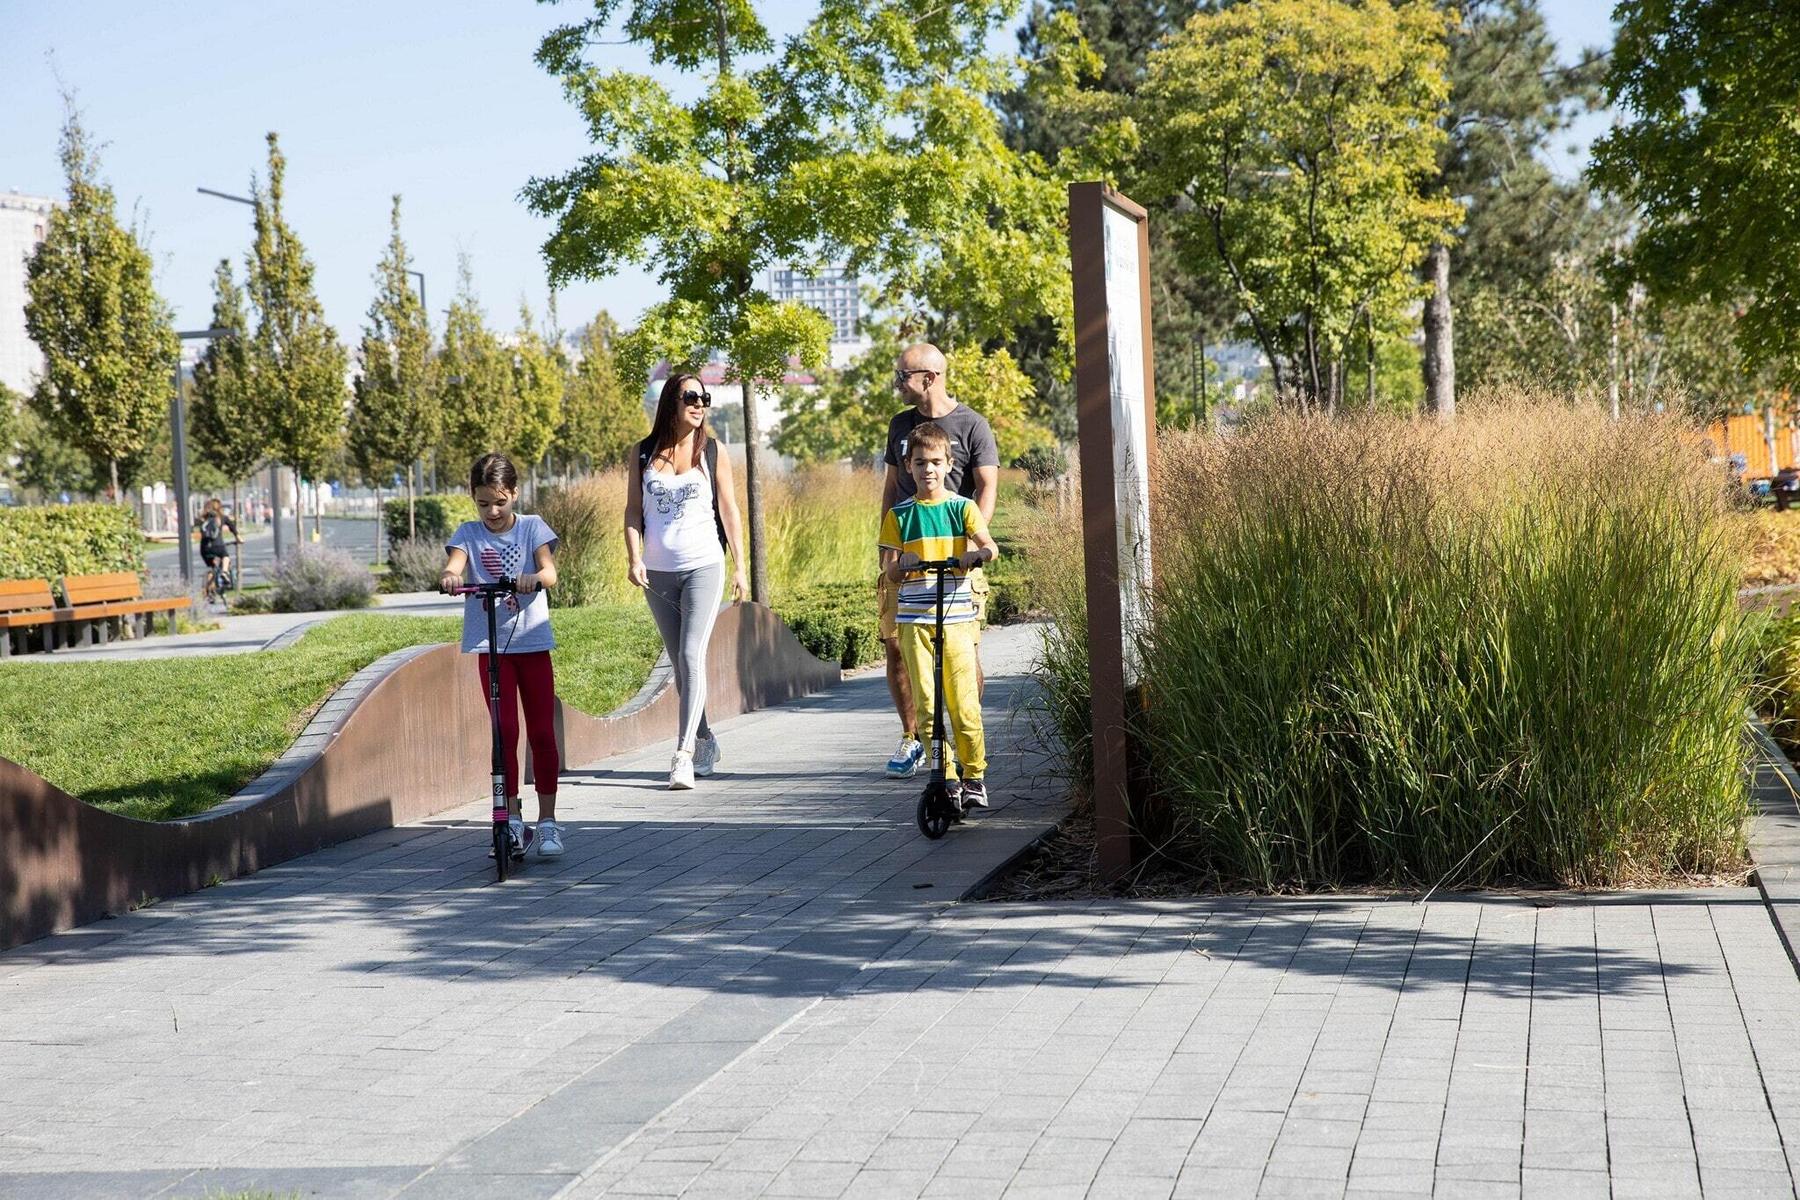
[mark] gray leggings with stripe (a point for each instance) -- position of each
(685, 605)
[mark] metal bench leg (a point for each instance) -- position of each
(6, 638)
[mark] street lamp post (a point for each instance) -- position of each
(178, 423)
(274, 468)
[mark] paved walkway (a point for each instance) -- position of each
(763, 987)
(243, 634)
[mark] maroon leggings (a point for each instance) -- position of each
(527, 677)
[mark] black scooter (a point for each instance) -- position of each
(939, 806)
(490, 594)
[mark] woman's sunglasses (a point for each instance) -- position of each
(703, 399)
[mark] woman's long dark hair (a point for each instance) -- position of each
(668, 407)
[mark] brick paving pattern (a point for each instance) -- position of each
(761, 988)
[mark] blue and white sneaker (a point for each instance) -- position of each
(905, 762)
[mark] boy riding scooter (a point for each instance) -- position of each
(934, 526)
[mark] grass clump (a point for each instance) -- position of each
(1386, 651)
(158, 739)
(320, 579)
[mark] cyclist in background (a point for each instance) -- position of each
(215, 550)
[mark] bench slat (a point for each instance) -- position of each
(95, 589)
(17, 595)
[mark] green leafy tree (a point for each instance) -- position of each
(1086, 61)
(107, 338)
(1298, 136)
(9, 427)
(602, 418)
(224, 419)
(395, 418)
(866, 135)
(1709, 153)
(847, 415)
(476, 398)
(46, 465)
(298, 365)
(538, 379)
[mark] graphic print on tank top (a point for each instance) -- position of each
(503, 562)
(672, 501)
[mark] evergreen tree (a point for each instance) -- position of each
(395, 417)
(1509, 96)
(107, 338)
(298, 365)
(224, 419)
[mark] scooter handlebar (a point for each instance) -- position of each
(499, 587)
(934, 564)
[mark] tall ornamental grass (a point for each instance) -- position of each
(1502, 651)
(820, 522)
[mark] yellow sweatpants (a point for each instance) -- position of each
(962, 690)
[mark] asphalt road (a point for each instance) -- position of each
(355, 537)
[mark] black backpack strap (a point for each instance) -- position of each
(712, 477)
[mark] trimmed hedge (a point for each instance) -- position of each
(436, 516)
(69, 539)
(836, 621)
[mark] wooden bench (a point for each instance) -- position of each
(99, 605)
(25, 604)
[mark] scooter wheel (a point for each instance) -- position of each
(502, 852)
(933, 820)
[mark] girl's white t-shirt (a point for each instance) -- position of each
(679, 534)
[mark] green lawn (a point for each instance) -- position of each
(162, 738)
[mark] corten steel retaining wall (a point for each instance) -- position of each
(413, 744)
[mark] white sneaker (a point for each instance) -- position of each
(706, 755)
(549, 839)
(681, 771)
(905, 762)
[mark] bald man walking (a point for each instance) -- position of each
(974, 472)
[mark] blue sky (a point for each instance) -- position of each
(438, 100)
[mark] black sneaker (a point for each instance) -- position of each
(974, 793)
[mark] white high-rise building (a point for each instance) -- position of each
(23, 222)
(835, 291)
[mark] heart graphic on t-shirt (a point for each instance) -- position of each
(501, 564)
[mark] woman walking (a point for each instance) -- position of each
(680, 510)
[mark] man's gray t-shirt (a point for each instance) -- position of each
(523, 621)
(971, 445)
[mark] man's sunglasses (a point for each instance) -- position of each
(703, 399)
(902, 376)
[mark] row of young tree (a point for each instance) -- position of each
(279, 386)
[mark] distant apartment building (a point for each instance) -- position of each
(835, 291)
(24, 220)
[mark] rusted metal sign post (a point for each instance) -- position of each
(1115, 401)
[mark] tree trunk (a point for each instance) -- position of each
(1369, 382)
(1440, 345)
(112, 465)
(759, 574)
(318, 510)
(299, 510)
(237, 542)
(412, 522)
(378, 557)
(1612, 362)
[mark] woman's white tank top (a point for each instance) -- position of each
(679, 534)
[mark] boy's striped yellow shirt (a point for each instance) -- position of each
(933, 530)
